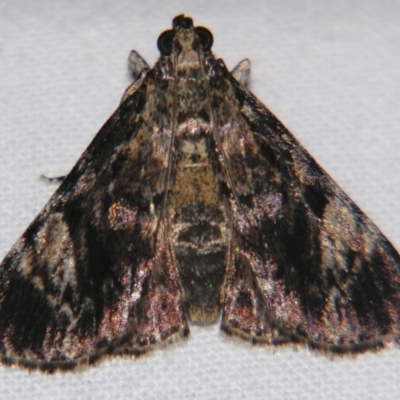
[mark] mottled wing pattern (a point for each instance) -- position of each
(307, 264)
(88, 277)
(194, 198)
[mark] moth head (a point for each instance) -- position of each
(184, 36)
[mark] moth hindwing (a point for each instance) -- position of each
(194, 201)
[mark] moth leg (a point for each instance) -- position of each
(55, 179)
(136, 64)
(242, 72)
(138, 68)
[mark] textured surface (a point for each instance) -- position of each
(344, 105)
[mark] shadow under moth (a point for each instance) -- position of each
(194, 201)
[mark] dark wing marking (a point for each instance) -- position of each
(86, 278)
(307, 265)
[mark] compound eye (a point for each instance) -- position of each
(205, 37)
(165, 41)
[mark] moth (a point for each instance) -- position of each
(194, 203)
